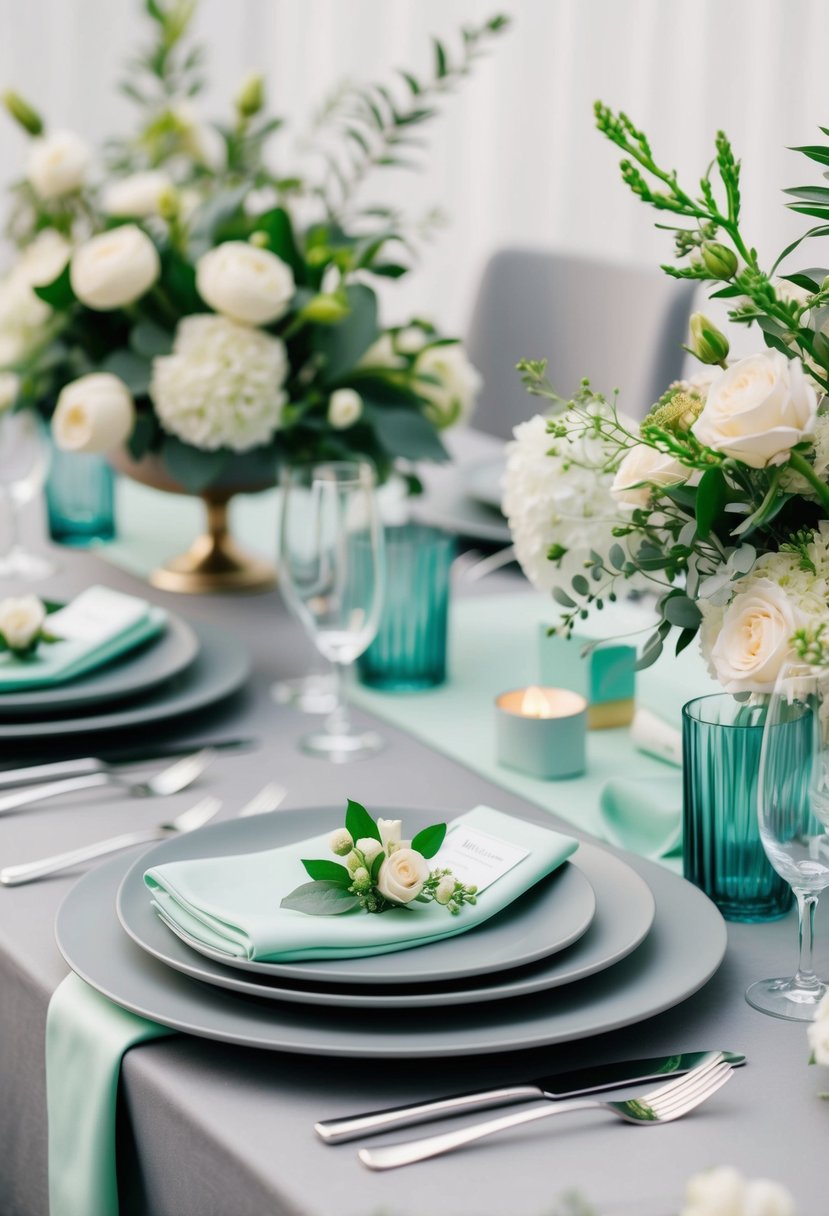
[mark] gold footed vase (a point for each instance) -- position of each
(214, 563)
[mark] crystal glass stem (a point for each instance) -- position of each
(805, 978)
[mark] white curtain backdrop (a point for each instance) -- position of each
(514, 160)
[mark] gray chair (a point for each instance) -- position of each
(621, 326)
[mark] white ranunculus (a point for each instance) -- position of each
(344, 408)
(402, 876)
(754, 639)
(114, 268)
(43, 259)
(643, 468)
(452, 399)
(94, 414)
(718, 1192)
(222, 386)
(766, 1198)
(200, 140)
(138, 195)
(758, 409)
(23, 315)
(21, 620)
(58, 164)
(818, 1032)
(9, 390)
(390, 832)
(247, 284)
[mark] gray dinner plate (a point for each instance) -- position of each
(549, 917)
(129, 676)
(623, 918)
(220, 668)
(482, 480)
(682, 951)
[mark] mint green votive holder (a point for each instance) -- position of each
(409, 651)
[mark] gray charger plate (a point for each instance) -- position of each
(623, 919)
(548, 918)
(682, 951)
(221, 667)
(130, 675)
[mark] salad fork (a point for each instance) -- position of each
(170, 780)
(662, 1105)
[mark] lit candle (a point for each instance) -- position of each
(542, 731)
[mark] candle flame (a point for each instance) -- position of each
(536, 704)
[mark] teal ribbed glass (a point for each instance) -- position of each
(409, 651)
(722, 851)
(80, 498)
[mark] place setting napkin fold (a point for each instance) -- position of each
(96, 627)
(231, 904)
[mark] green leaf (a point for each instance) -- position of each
(561, 597)
(342, 346)
(376, 864)
(389, 270)
(133, 369)
(685, 639)
(149, 339)
(809, 194)
(276, 224)
(429, 840)
(580, 584)
(144, 432)
(407, 434)
(210, 216)
(193, 467)
(617, 557)
(328, 871)
(178, 279)
(816, 152)
(681, 611)
(58, 294)
(320, 899)
(359, 823)
(712, 495)
(802, 280)
(441, 60)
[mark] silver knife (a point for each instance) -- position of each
(561, 1085)
(81, 767)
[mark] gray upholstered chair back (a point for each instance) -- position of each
(621, 326)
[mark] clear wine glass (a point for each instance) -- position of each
(23, 467)
(332, 571)
(793, 808)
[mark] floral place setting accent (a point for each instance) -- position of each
(23, 626)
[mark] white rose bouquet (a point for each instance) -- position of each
(378, 871)
(23, 626)
(179, 295)
(721, 494)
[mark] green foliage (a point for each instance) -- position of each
(359, 823)
(321, 899)
(429, 841)
(328, 871)
(342, 346)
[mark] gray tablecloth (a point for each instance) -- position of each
(209, 1130)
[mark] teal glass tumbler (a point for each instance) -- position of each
(409, 651)
(722, 851)
(80, 498)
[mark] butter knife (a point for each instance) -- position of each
(561, 1085)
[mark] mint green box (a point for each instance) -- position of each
(606, 676)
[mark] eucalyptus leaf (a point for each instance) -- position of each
(681, 611)
(342, 346)
(320, 899)
(193, 467)
(144, 432)
(408, 434)
(580, 584)
(148, 339)
(133, 369)
(428, 841)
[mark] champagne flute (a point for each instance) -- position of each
(793, 809)
(332, 568)
(23, 464)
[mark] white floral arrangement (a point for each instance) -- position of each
(818, 1035)
(722, 1191)
(720, 496)
(23, 626)
(379, 870)
(176, 294)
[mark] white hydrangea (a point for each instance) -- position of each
(222, 386)
(724, 1191)
(549, 500)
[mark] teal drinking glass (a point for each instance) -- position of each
(409, 651)
(722, 851)
(80, 498)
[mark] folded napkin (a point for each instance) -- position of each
(643, 815)
(86, 1037)
(231, 904)
(96, 627)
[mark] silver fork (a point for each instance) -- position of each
(662, 1105)
(169, 781)
(187, 821)
(269, 798)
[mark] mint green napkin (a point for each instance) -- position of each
(643, 815)
(86, 1037)
(95, 628)
(231, 904)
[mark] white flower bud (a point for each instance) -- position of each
(94, 414)
(115, 268)
(58, 164)
(340, 842)
(410, 340)
(390, 831)
(445, 889)
(344, 408)
(21, 620)
(369, 848)
(138, 195)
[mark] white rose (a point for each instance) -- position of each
(718, 1192)
(93, 414)
(249, 285)
(138, 195)
(9, 390)
(642, 468)
(754, 639)
(115, 268)
(402, 876)
(369, 848)
(21, 620)
(58, 164)
(344, 408)
(758, 409)
(390, 831)
(452, 399)
(766, 1198)
(818, 1032)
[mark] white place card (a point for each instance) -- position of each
(97, 615)
(476, 857)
